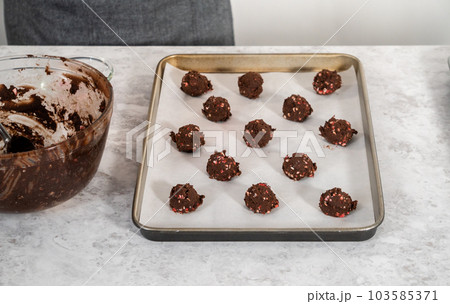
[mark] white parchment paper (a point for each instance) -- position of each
(223, 207)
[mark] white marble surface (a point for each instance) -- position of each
(409, 92)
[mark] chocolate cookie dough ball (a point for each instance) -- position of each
(189, 138)
(298, 166)
(195, 84)
(326, 82)
(222, 167)
(257, 133)
(217, 109)
(260, 198)
(337, 131)
(296, 108)
(184, 198)
(335, 202)
(250, 85)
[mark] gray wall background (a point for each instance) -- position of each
(312, 22)
(2, 25)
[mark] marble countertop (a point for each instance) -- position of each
(91, 238)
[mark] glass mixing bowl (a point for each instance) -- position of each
(50, 175)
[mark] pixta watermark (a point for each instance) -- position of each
(158, 143)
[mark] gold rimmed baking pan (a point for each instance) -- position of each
(241, 63)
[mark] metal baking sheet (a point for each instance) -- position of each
(223, 216)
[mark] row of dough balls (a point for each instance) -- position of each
(260, 198)
(250, 84)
